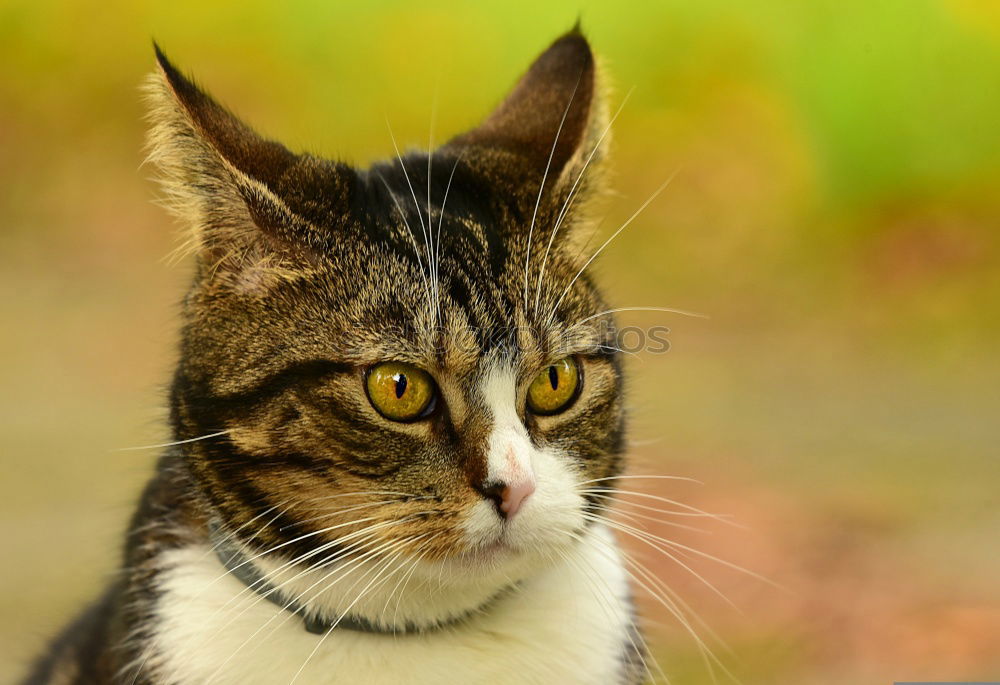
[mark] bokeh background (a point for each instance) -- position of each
(835, 213)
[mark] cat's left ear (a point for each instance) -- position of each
(552, 125)
(253, 209)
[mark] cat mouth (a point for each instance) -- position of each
(500, 546)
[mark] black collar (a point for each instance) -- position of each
(242, 568)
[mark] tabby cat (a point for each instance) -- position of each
(396, 422)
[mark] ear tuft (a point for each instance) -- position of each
(238, 145)
(230, 186)
(546, 142)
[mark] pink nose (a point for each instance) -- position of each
(512, 497)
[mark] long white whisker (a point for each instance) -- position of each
(572, 195)
(433, 248)
(176, 442)
(283, 611)
(677, 546)
(607, 242)
(722, 518)
(320, 549)
(658, 498)
(638, 518)
(339, 512)
(424, 228)
(671, 605)
(437, 240)
(352, 564)
(665, 596)
(676, 598)
(643, 537)
(541, 189)
(584, 565)
(291, 542)
(360, 537)
(628, 477)
(668, 310)
(403, 582)
(409, 232)
(333, 627)
(365, 534)
(229, 536)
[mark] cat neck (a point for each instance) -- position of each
(392, 595)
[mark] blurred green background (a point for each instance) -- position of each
(835, 213)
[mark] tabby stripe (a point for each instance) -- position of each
(280, 381)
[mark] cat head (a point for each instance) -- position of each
(407, 355)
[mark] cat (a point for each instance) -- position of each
(397, 428)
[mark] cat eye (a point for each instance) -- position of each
(401, 392)
(555, 387)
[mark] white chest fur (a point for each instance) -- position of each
(565, 625)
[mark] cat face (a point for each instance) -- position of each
(409, 357)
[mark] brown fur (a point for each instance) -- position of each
(309, 272)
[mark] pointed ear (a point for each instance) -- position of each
(244, 199)
(553, 120)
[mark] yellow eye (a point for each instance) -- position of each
(555, 388)
(400, 392)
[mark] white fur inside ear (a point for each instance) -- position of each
(202, 191)
(194, 182)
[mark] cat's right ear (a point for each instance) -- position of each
(551, 127)
(239, 195)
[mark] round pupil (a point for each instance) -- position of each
(553, 378)
(400, 379)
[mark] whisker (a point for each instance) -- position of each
(405, 580)
(638, 476)
(437, 242)
(666, 596)
(541, 189)
(424, 229)
(409, 232)
(288, 615)
(722, 518)
(338, 512)
(639, 535)
(572, 196)
(679, 546)
(632, 516)
(282, 611)
(606, 606)
(671, 602)
(668, 310)
(363, 592)
(175, 442)
(364, 536)
(298, 539)
(432, 258)
(607, 242)
(322, 548)
(645, 495)
(229, 536)
(677, 599)
(362, 492)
